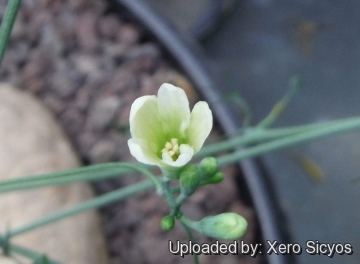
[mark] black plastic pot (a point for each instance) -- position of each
(191, 60)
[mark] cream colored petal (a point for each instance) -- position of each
(174, 110)
(139, 102)
(145, 126)
(186, 153)
(201, 122)
(166, 157)
(137, 152)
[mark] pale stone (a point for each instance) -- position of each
(5, 260)
(33, 143)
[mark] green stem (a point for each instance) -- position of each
(167, 194)
(29, 253)
(294, 85)
(91, 204)
(192, 239)
(7, 25)
(350, 124)
(255, 135)
(89, 173)
(180, 199)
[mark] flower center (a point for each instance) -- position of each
(172, 148)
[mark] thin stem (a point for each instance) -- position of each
(7, 25)
(255, 135)
(167, 194)
(192, 239)
(155, 181)
(180, 199)
(89, 173)
(290, 141)
(295, 83)
(244, 106)
(29, 253)
(11, 248)
(91, 204)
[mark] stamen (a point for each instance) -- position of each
(168, 146)
(172, 148)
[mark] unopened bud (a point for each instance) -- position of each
(208, 167)
(189, 179)
(222, 226)
(218, 177)
(167, 223)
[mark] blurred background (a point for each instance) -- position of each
(254, 48)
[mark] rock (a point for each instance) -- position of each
(103, 110)
(86, 31)
(123, 80)
(128, 34)
(103, 151)
(73, 119)
(6, 260)
(50, 41)
(62, 84)
(148, 50)
(109, 26)
(86, 63)
(32, 143)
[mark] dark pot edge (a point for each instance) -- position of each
(189, 57)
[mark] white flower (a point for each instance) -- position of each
(163, 130)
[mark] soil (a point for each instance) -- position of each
(88, 64)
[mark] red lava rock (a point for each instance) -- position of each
(86, 31)
(128, 35)
(73, 119)
(77, 5)
(82, 99)
(109, 27)
(116, 50)
(102, 151)
(62, 84)
(36, 85)
(102, 111)
(123, 80)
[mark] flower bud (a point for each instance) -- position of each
(222, 226)
(167, 223)
(218, 177)
(208, 167)
(189, 179)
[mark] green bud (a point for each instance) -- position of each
(189, 179)
(218, 177)
(223, 226)
(167, 223)
(208, 167)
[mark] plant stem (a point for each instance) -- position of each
(89, 173)
(167, 194)
(67, 177)
(254, 135)
(192, 239)
(91, 204)
(29, 253)
(294, 85)
(7, 25)
(345, 125)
